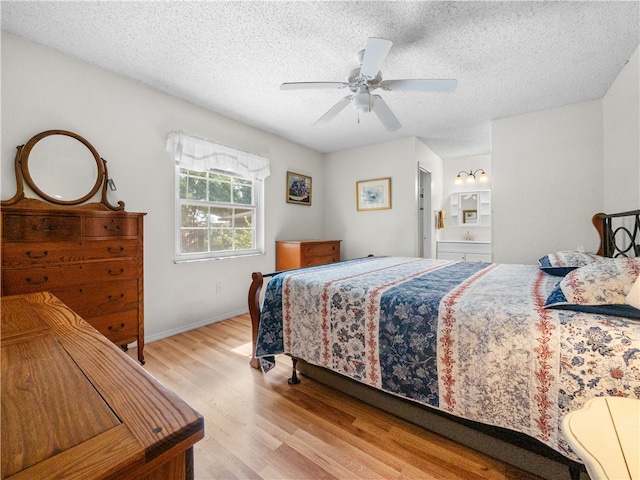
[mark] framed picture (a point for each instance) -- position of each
(298, 189)
(469, 216)
(373, 194)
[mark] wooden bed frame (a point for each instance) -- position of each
(619, 236)
(618, 239)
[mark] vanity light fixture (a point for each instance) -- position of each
(471, 176)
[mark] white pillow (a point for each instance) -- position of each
(600, 287)
(633, 298)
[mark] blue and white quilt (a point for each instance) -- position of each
(471, 339)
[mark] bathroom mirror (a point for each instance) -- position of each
(62, 167)
(471, 209)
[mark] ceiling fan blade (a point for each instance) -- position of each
(333, 111)
(311, 85)
(374, 54)
(435, 85)
(385, 114)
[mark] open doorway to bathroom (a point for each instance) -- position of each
(424, 213)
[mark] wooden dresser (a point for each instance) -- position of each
(76, 407)
(292, 254)
(87, 254)
(91, 260)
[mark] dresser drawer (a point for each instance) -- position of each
(483, 248)
(101, 298)
(111, 248)
(36, 279)
(478, 257)
(121, 328)
(41, 253)
(110, 227)
(315, 261)
(43, 228)
(320, 249)
(467, 251)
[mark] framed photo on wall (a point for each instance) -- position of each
(298, 189)
(373, 194)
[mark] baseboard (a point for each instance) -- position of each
(193, 326)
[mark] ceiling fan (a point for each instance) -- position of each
(366, 78)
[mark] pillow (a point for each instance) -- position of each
(600, 287)
(633, 298)
(561, 263)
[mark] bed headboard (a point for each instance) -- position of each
(619, 233)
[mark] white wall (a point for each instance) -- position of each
(378, 232)
(621, 125)
(127, 123)
(578, 160)
(547, 181)
(451, 168)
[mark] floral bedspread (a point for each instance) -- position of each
(471, 339)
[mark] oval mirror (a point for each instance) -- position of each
(62, 167)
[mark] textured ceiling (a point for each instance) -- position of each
(231, 57)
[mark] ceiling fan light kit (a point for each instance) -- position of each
(367, 77)
(361, 101)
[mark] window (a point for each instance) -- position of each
(219, 208)
(217, 214)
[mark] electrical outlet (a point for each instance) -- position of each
(218, 287)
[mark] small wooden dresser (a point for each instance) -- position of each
(75, 407)
(87, 254)
(292, 254)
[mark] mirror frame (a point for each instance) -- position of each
(24, 164)
(482, 215)
(23, 176)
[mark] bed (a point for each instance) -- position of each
(490, 355)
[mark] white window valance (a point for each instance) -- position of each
(203, 155)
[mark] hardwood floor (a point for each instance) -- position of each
(257, 426)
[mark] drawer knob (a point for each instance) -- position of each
(115, 298)
(37, 255)
(31, 281)
(116, 329)
(115, 249)
(116, 272)
(110, 229)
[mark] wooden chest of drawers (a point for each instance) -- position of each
(292, 254)
(91, 260)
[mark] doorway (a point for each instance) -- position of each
(424, 213)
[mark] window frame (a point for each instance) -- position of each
(257, 205)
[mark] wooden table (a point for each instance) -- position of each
(605, 433)
(76, 407)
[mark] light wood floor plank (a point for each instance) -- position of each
(258, 426)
